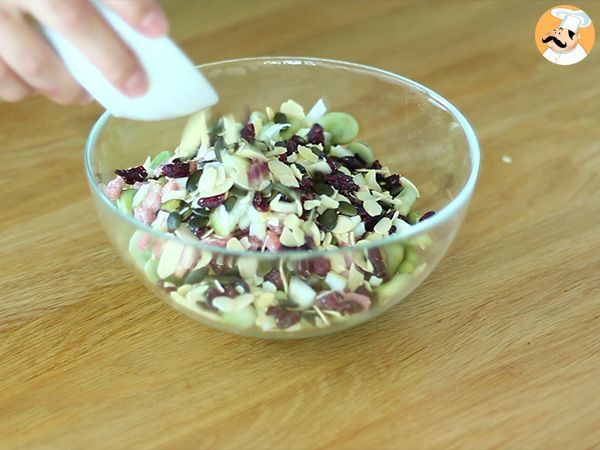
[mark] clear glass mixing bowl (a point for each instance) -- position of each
(410, 128)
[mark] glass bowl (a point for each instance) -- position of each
(410, 128)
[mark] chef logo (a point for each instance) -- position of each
(565, 35)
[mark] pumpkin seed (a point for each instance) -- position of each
(219, 147)
(413, 217)
(230, 203)
(125, 201)
(238, 192)
(197, 223)
(173, 221)
(284, 190)
(328, 219)
(192, 182)
(397, 190)
(202, 212)
(172, 205)
(323, 189)
(280, 117)
(266, 192)
(347, 209)
(196, 276)
(264, 267)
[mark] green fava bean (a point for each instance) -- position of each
(342, 126)
(161, 158)
(362, 151)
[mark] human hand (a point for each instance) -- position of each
(29, 65)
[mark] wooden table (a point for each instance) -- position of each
(500, 347)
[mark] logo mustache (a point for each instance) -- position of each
(555, 40)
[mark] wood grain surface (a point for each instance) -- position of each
(499, 348)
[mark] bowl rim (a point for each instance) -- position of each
(461, 200)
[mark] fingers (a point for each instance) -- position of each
(146, 16)
(12, 89)
(81, 24)
(31, 59)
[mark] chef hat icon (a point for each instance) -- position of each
(570, 19)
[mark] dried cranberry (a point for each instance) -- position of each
(274, 276)
(341, 182)
(376, 165)
(293, 143)
(377, 260)
(211, 202)
(176, 170)
(230, 291)
(427, 215)
(259, 202)
(219, 265)
(209, 296)
(363, 291)
(248, 132)
(133, 175)
(304, 268)
(283, 157)
(370, 222)
(350, 307)
(391, 182)
(332, 164)
(330, 301)
(321, 266)
(257, 171)
(352, 162)
(315, 135)
(308, 195)
(306, 183)
(285, 318)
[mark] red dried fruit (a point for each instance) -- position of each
(306, 183)
(315, 135)
(376, 259)
(248, 132)
(330, 301)
(321, 266)
(285, 318)
(376, 165)
(260, 203)
(392, 182)
(133, 174)
(350, 307)
(211, 202)
(176, 170)
(209, 296)
(352, 162)
(341, 182)
(427, 215)
(332, 164)
(363, 291)
(304, 267)
(230, 291)
(274, 276)
(293, 143)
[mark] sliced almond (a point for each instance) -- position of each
(383, 226)
(371, 179)
(355, 278)
(328, 202)
(292, 110)
(283, 173)
(311, 204)
(307, 154)
(344, 225)
(372, 207)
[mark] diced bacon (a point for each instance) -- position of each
(152, 201)
(362, 300)
(114, 188)
(272, 241)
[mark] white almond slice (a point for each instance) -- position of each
(317, 111)
(278, 205)
(345, 170)
(283, 173)
(292, 158)
(327, 239)
(242, 301)
(363, 195)
(355, 278)
(371, 179)
(307, 154)
(401, 225)
(205, 259)
(311, 204)
(195, 133)
(336, 281)
(245, 242)
(216, 190)
(339, 151)
(169, 259)
(231, 130)
(140, 195)
(328, 202)
(372, 207)
(224, 304)
(383, 226)
(299, 236)
(344, 225)
(249, 153)
(196, 294)
(359, 231)
(234, 244)
(292, 221)
(337, 262)
(375, 281)
(361, 261)
(247, 267)
(208, 179)
(258, 230)
(292, 110)
(183, 290)
(301, 293)
(296, 171)
(269, 287)
(272, 132)
(270, 113)
(407, 182)
(359, 179)
(320, 166)
(287, 238)
(174, 195)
